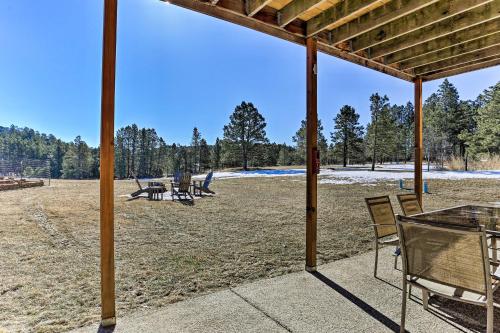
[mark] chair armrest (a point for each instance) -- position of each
(493, 234)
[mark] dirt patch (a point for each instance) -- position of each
(166, 251)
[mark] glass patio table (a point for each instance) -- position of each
(467, 217)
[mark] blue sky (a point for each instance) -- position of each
(176, 69)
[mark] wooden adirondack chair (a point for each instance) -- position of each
(202, 186)
(182, 188)
(154, 190)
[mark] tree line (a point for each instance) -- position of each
(453, 128)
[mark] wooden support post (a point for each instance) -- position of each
(107, 164)
(311, 155)
(418, 139)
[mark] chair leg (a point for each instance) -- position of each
(489, 318)
(376, 259)
(409, 291)
(403, 307)
(425, 299)
(395, 262)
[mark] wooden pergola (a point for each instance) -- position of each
(414, 40)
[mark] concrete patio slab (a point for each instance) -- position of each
(218, 312)
(343, 296)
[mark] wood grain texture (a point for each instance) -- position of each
(462, 59)
(453, 24)
(378, 17)
(418, 184)
(254, 6)
(426, 37)
(459, 37)
(311, 148)
(457, 50)
(340, 14)
(483, 64)
(421, 18)
(108, 314)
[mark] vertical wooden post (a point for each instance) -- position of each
(312, 148)
(107, 164)
(418, 139)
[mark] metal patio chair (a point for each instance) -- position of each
(409, 204)
(447, 261)
(384, 225)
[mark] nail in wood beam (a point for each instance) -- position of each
(108, 314)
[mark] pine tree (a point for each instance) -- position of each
(246, 128)
(204, 155)
(284, 155)
(195, 150)
(348, 133)
(485, 138)
(216, 154)
(435, 129)
(408, 129)
(300, 140)
(380, 113)
(456, 121)
(77, 162)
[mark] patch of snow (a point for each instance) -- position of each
(252, 174)
(365, 176)
(358, 175)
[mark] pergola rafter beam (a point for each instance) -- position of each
(454, 24)
(463, 65)
(340, 13)
(417, 20)
(457, 50)
(380, 16)
(458, 61)
(488, 63)
(254, 6)
(266, 23)
(475, 32)
(294, 9)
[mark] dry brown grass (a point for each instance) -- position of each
(167, 251)
(485, 162)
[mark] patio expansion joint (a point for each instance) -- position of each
(246, 300)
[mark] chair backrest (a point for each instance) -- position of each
(185, 182)
(455, 257)
(208, 179)
(381, 212)
(177, 176)
(409, 204)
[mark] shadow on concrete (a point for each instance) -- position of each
(367, 308)
(107, 329)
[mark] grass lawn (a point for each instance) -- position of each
(167, 251)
